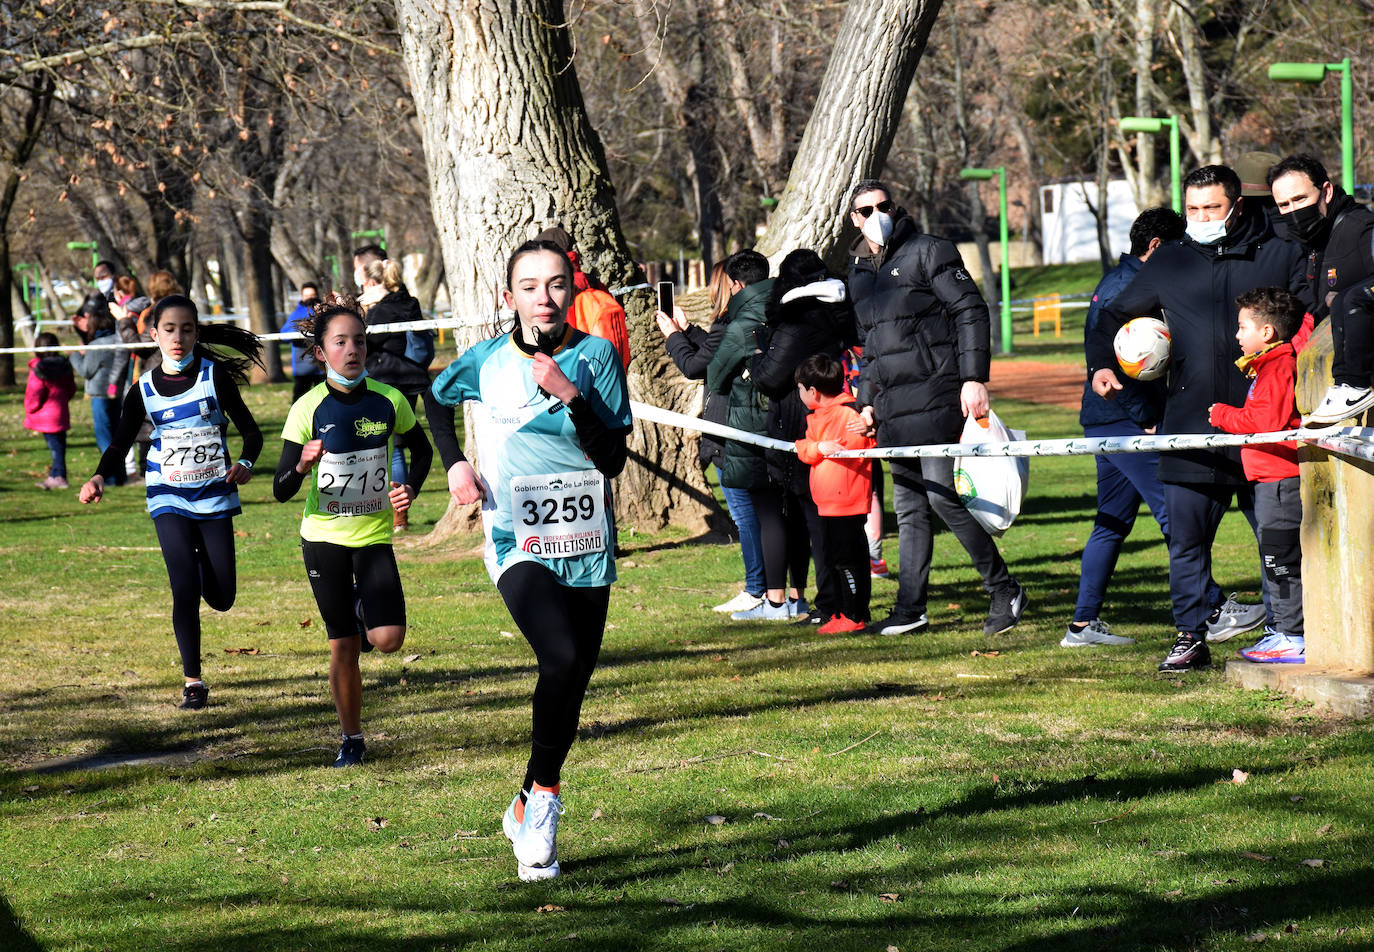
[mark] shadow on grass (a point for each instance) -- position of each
(13, 936)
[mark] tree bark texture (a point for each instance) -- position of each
(509, 151)
(851, 129)
(19, 152)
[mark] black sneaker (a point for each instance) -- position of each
(193, 697)
(350, 752)
(899, 624)
(1006, 609)
(1189, 653)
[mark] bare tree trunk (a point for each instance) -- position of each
(18, 155)
(509, 150)
(1146, 190)
(850, 130)
(1185, 38)
(428, 279)
(59, 313)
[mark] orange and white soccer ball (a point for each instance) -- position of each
(1142, 348)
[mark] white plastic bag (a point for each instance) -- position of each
(991, 487)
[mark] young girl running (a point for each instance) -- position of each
(192, 487)
(551, 422)
(341, 431)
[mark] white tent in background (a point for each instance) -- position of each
(1068, 226)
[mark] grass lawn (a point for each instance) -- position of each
(936, 791)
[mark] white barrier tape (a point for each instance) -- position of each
(1351, 441)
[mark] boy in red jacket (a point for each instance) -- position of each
(1268, 318)
(840, 487)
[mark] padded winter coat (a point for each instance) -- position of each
(728, 373)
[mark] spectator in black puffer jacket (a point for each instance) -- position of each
(924, 328)
(388, 302)
(808, 313)
(691, 349)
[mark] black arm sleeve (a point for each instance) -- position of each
(607, 448)
(445, 433)
(691, 349)
(231, 402)
(111, 465)
(287, 481)
(421, 455)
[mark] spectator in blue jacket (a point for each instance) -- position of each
(305, 369)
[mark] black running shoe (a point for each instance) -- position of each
(350, 752)
(1189, 653)
(899, 624)
(1006, 609)
(193, 697)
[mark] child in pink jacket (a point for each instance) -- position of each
(46, 396)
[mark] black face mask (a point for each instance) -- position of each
(307, 302)
(1305, 224)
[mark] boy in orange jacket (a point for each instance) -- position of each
(840, 487)
(1267, 320)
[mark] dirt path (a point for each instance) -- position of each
(1035, 381)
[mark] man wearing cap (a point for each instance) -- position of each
(1226, 251)
(1251, 168)
(1338, 234)
(594, 311)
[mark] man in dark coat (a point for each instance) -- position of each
(1338, 234)
(924, 328)
(1194, 285)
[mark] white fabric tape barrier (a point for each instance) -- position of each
(1351, 441)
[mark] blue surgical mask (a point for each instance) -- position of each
(177, 366)
(343, 381)
(1210, 232)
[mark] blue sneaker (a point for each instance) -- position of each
(1277, 648)
(797, 608)
(350, 752)
(763, 611)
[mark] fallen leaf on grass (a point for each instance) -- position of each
(890, 897)
(1314, 862)
(715, 819)
(410, 658)
(1259, 857)
(893, 948)
(240, 533)
(1295, 799)
(1291, 928)
(764, 816)
(32, 788)
(1174, 894)
(550, 907)
(1323, 830)
(1223, 882)
(840, 884)
(242, 651)
(725, 869)
(1256, 937)
(984, 654)
(306, 622)
(953, 607)
(670, 901)
(597, 814)
(507, 634)
(376, 823)
(1239, 776)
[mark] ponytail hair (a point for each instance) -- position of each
(323, 312)
(387, 273)
(237, 348)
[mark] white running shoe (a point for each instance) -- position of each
(1097, 633)
(740, 603)
(763, 611)
(1341, 402)
(1233, 618)
(536, 840)
(528, 874)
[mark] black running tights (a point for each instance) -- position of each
(200, 564)
(564, 627)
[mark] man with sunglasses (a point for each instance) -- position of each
(925, 330)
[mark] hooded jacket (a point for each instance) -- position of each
(813, 318)
(840, 487)
(1195, 287)
(47, 393)
(1269, 407)
(924, 327)
(728, 373)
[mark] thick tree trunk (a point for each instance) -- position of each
(260, 291)
(18, 155)
(850, 130)
(510, 151)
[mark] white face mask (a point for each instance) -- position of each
(878, 228)
(105, 285)
(1210, 232)
(358, 277)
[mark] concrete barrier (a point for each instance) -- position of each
(1337, 558)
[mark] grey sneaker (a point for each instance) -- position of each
(763, 611)
(1233, 618)
(1097, 633)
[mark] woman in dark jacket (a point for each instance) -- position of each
(808, 313)
(100, 368)
(388, 302)
(691, 349)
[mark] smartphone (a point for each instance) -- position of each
(665, 297)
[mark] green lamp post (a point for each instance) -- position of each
(86, 246)
(983, 175)
(1151, 125)
(1315, 73)
(378, 234)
